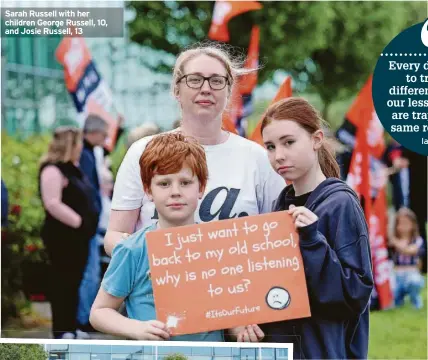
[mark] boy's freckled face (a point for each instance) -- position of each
(176, 196)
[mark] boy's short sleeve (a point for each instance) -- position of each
(120, 275)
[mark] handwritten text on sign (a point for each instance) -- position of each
(228, 273)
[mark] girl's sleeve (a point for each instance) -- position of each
(340, 280)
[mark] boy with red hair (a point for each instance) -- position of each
(174, 173)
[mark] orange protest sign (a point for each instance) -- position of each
(228, 273)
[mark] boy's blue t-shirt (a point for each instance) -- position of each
(128, 276)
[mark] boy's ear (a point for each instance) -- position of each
(149, 194)
(318, 139)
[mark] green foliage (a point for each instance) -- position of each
(176, 356)
(22, 352)
(21, 243)
(20, 165)
(330, 47)
(357, 33)
(118, 154)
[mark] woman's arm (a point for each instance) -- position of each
(121, 224)
(106, 318)
(128, 195)
(51, 184)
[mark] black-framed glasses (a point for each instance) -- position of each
(196, 81)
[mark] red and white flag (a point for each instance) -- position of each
(223, 12)
(90, 93)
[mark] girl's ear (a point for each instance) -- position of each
(318, 139)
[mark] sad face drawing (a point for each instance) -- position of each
(278, 298)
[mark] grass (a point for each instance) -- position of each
(399, 333)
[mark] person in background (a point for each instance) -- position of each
(418, 193)
(91, 160)
(399, 174)
(333, 237)
(71, 220)
(107, 184)
(147, 129)
(4, 205)
(408, 248)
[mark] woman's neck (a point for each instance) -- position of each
(206, 132)
(309, 181)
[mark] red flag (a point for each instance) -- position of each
(359, 171)
(223, 12)
(90, 93)
(381, 267)
(248, 82)
(362, 181)
(234, 110)
(228, 124)
(284, 91)
(356, 116)
(73, 54)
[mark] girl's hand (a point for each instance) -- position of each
(302, 216)
(250, 333)
(151, 330)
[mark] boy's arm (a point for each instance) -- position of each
(106, 318)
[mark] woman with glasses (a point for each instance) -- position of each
(70, 222)
(241, 181)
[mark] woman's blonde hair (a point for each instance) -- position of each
(233, 66)
(63, 144)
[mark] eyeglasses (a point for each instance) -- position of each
(195, 81)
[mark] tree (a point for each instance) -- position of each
(175, 356)
(22, 352)
(329, 47)
(355, 45)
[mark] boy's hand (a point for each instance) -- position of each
(250, 333)
(150, 330)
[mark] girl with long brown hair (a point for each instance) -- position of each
(333, 236)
